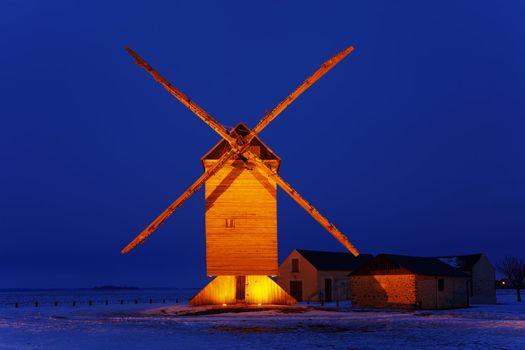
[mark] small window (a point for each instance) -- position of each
(295, 265)
(230, 223)
(441, 284)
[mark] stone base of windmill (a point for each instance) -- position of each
(242, 291)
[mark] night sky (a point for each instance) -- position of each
(414, 144)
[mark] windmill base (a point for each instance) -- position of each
(242, 290)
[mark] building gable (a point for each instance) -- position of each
(304, 265)
(257, 147)
(464, 263)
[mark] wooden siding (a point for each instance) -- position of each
(241, 221)
(259, 290)
(263, 290)
(221, 290)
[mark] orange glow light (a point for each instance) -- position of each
(259, 290)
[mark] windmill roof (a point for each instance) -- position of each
(426, 266)
(241, 129)
(334, 261)
(463, 262)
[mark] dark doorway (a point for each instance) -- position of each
(441, 284)
(469, 286)
(296, 290)
(240, 288)
(328, 290)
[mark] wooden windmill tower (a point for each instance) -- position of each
(240, 178)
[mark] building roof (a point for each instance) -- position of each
(265, 153)
(334, 261)
(463, 262)
(426, 266)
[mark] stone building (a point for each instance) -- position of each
(482, 276)
(398, 281)
(309, 275)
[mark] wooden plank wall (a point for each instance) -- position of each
(241, 221)
(263, 290)
(221, 290)
(259, 290)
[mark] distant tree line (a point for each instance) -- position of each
(514, 270)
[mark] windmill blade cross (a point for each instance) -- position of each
(241, 146)
(178, 202)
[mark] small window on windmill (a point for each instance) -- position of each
(295, 265)
(230, 223)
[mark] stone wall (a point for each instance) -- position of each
(384, 291)
(408, 291)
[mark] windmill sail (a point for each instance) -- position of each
(233, 146)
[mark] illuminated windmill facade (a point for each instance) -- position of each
(240, 178)
(241, 213)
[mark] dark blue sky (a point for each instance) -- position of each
(413, 145)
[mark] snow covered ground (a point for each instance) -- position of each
(131, 326)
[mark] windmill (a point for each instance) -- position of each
(240, 177)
